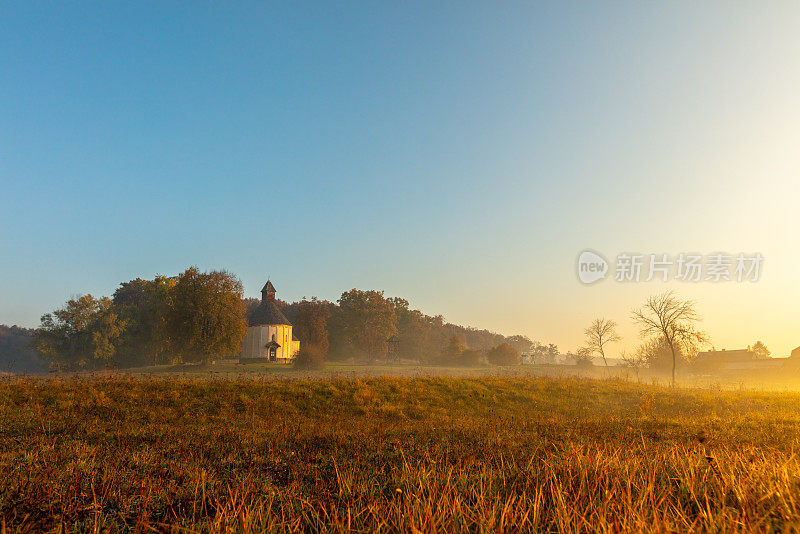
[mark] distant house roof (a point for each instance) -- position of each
(272, 345)
(268, 287)
(796, 353)
(268, 312)
(726, 356)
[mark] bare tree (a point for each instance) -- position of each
(672, 319)
(599, 334)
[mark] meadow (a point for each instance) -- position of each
(384, 454)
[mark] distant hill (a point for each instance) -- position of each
(16, 353)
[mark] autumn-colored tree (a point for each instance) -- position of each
(473, 337)
(366, 320)
(414, 330)
(452, 351)
(538, 351)
(520, 343)
(311, 326)
(503, 354)
(206, 317)
(456, 352)
(81, 334)
(542, 353)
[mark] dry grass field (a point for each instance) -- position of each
(428, 454)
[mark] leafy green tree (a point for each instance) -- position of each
(366, 321)
(311, 326)
(82, 334)
(414, 329)
(206, 316)
(144, 305)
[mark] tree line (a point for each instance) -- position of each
(196, 317)
(199, 316)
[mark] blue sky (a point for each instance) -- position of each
(457, 154)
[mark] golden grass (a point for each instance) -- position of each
(425, 454)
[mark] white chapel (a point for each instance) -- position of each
(269, 334)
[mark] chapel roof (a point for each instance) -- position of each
(268, 312)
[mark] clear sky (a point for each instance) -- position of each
(458, 154)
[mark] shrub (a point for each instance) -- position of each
(470, 358)
(504, 354)
(583, 361)
(309, 357)
(451, 353)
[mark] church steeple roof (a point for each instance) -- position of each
(268, 288)
(268, 312)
